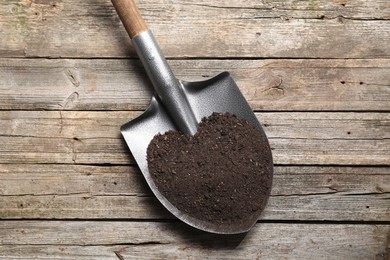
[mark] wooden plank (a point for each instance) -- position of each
(277, 85)
(57, 179)
(370, 9)
(94, 138)
(120, 192)
(97, 240)
(316, 207)
(247, 29)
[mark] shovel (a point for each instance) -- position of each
(177, 105)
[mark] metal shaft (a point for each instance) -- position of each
(168, 88)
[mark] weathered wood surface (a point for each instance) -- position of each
(143, 240)
(310, 29)
(277, 85)
(88, 137)
(316, 72)
(120, 192)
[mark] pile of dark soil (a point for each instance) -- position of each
(222, 174)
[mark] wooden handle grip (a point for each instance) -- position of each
(130, 16)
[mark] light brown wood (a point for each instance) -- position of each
(316, 72)
(303, 29)
(97, 240)
(315, 207)
(277, 85)
(120, 192)
(93, 137)
(130, 17)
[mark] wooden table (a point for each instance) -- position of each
(317, 74)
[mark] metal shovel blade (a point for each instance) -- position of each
(218, 94)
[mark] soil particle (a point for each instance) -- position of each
(222, 174)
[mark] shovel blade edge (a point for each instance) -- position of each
(218, 94)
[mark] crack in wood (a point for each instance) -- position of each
(83, 194)
(368, 194)
(277, 85)
(74, 150)
(146, 243)
(230, 7)
(71, 99)
(332, 192)
(303, 194)
(61, 123)
(72, 78)
(120, 257)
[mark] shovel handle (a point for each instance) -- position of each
(130, 16)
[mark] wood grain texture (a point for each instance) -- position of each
(277, 85)
(130, 16)
(317, 73)
(97, 240)
(87, 137)
(311, 29)
(120, 192)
